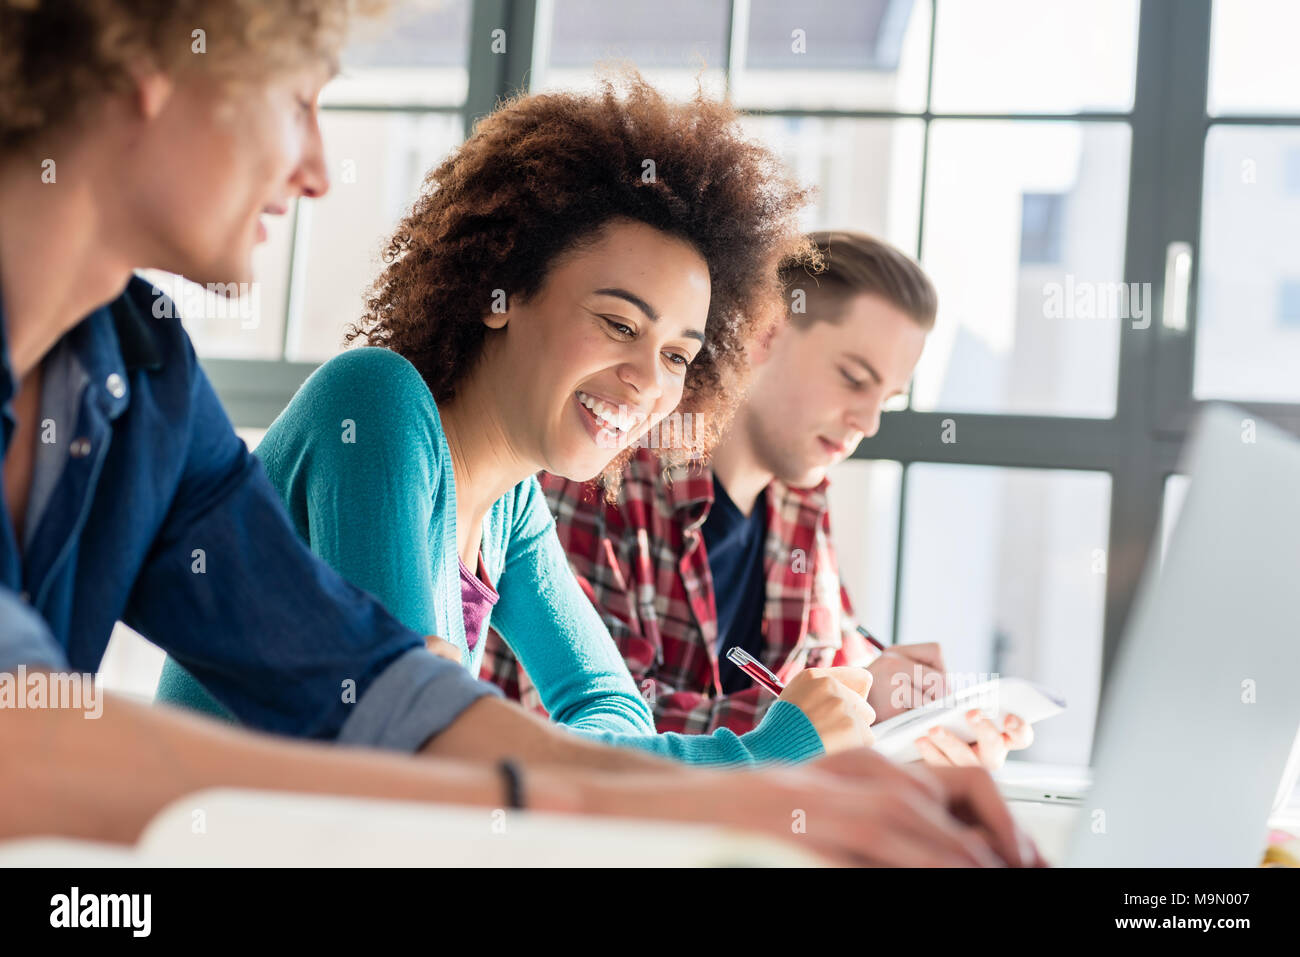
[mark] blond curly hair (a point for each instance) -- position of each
(58, 57)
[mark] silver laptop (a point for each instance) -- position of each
(1200, 716)
(1044, 783)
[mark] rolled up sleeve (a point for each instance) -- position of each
(413, 699)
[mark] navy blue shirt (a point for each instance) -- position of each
(146, 507)
(734, 545)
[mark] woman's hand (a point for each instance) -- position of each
(942, 748)
(835, 701)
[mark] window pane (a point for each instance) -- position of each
(1027, 56)
(831, 154)
(249, 326)
(835, 54)
(1248, 305)
(864, 527)
(415, 54)
(672, 42)
(1253, 62)
(1006, 567)
(1041, 222)
(1024, 237)
(377, 162)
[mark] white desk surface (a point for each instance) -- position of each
(238, 828)
(259, 828)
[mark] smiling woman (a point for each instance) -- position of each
(542, 178)
(607, 341)
(582, 268)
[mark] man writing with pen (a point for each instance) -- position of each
(736, 554)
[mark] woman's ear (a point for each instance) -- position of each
(499, 313)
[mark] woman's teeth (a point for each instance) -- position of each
(606, 414)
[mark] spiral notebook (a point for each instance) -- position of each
(997, 698)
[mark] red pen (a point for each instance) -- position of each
(751, 666)
(871, 638)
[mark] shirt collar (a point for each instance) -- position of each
(115, 336)
(814, 496)
(687, 493)
(134, 337)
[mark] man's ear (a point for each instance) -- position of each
(760, 348)
(152, 91)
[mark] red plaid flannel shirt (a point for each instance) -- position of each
(807, 620)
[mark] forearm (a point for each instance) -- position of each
(490, 729)
(104, 779)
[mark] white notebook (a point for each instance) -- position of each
(998, 698)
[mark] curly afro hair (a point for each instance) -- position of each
(543, 174)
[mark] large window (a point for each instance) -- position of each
(402, 101)
(1105, 192)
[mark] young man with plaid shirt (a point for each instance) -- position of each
(737, 553)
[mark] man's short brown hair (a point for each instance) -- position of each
(856, 264)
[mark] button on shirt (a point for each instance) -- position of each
(146, 507)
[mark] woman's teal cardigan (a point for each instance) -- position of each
(361, 462)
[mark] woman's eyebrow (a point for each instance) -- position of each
(634, 299)
(645, 307)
